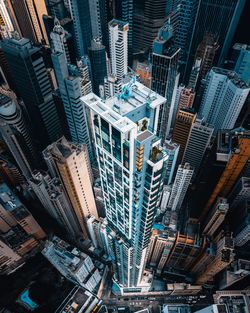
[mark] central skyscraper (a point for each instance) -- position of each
(132, 166)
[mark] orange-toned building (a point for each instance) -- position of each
(234, 148)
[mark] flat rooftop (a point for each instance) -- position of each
(78, 300)
(116, 109)
(145, 135)
(237, 81)
(118, 23)
(227, 140)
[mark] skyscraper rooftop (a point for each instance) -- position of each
(134, 100)
(234, 77)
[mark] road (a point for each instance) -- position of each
(138, 303)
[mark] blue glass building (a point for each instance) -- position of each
(82, 25)
(220, 18)
(33, 85)
(97, 57)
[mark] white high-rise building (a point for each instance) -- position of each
(112, 86)
(182, 180)
(165, 197)
(131, 164)
(118, 43)
(224, 96)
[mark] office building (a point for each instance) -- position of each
(214, 308)
(206, 53)
(171, 308)
(224, 96)
(60, 40)
(181, 183)
(224, 255)
(57, 8)
(13, 213)
(143, 70)
(10, 174)
(194, 75)
(98, 233)
(186, 249)
(165, 76)
(166, 192)
(126, 147)
(186, 98)
(206, 257)
(56, 202)
(79, 300)
(9, 259)
(124, 11)
(216, 217)
(178, 94)
(70, 163)
(170, 241)
(29, 16)
(74, 82)
(239, 61)
(99, 20)
(72, 263)
(234, 150)
(19, 242)
(156, 245)
(37, 9)
(236, 274)
(97, 58)
(172, 150)
(30, 76)
(161, 243)
(242, 231)
(183, 124)
(224, 16)
(93, 228)
(6, 77)
(118, 45)
(149, 17)
(82, 25)
(239, 194)
(199, 139)
(83, 70)
(185, 18)
(182, 289)
(7, 25)
(15, 133)
(112, 86)
(233, 299)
